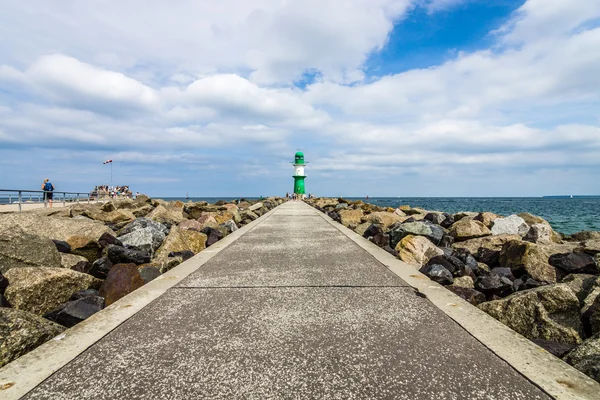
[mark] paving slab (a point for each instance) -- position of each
(280, 343)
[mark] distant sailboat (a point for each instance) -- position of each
(187, 196)
(571, 196)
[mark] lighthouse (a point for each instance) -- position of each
(299, 174)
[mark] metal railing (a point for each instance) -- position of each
(20, 197)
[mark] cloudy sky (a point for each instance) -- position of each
(385, 97)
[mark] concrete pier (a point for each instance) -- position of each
(291, 306)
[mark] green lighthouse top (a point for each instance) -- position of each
(299, 158)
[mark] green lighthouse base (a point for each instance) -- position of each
(299, 185)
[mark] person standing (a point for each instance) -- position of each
(48, 188)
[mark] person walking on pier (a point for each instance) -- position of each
(48, 188)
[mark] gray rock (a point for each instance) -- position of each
(149, 273)
(438, 274)
(143, 223)
(494, 285)
(548, 312)
(230, 226)
(122, 255)
(19, 249)
(586, 357)
(144, 239)
(581, 284)
(471, 295)
(73, 312)
(451, 263)
(539, 233)
(100, 268)
(511, 225)
(62, 246)
(574, 263)
(591, 313)
(22, 332)
(425, 228)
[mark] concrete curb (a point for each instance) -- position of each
(20, 376)
(554, 376)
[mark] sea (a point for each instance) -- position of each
(566, 214)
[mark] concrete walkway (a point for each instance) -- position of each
(291, 309)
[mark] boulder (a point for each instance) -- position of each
(511, 225)
(466, 229)
(39, 290)
(247, 214)
(179, 240)
(256, 206)
(524, 257)
(19, 249)
(122, 279)
(487, 218)
(168, 217)
(486, 249)
(417, 250)
(493, 285)
(145, 239)
(62, 246)
(548, 312)
(372, 230)
(73, 261)
(555, 348)
(84, 293)
(383, 218)
(464, 215)
(585, 235)
(149, 273)
(143, 223)
(230, 226)
(112, 217)
(524, 283)
(471, 295)
(75, 311)
(590, 313)
(451, 263)
(208, 220)
(539, 233)
(436, 218)
(223, 216)
(464, 282)
(531, 220)
(341, 206)
(142, 211)
(578, 263)
(503, 271)
(191, 224)
(591, 246)
(586, 357)
(350, 218)
(122, 255)
(581, 284)
(100, 268)
(431, 231)
(213, 235)
(438, 273)
(22, 332)
(362, 228)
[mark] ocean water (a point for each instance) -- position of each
(566, 215)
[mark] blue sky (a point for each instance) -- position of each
(385, 97)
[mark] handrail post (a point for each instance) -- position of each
(45, 200)
(64, 200)
(20, 199)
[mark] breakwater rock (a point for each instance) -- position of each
(60, 266)
(540, 283)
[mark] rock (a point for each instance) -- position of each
(341, 206)
(486, 249)
(591, 246)
(223, 217)
(122, 255)
(62, 246)
(486, 218)
(75, 311)
(586, 357)
(372, 230)
(185, 254)
(230, 226)
(107, 239)
(438, 273)
(143, 223)
(581, 284)
(502, 271)
(524, 283)
(383, 218)
(382, 240)
(471, 295)
(73, 261)
(436, 218)
(451, 263)
(255, 207)
(142, 211)
(149, 273)
(524, 257)
(555, 348)
(539, 233)
(22, 332)
(466, 229)
(586, 235)
(3, 283)
(590, 315)
(535, 220)
(362, 228)
(213, 235)
(511, 225)
(19, 249)
(208, 220)
(464, 215)
(247, 214)
(112, 217)
(574, 263)
(494, 285)
(447, 223)
(399, 212)
(417, 250)
(145, 239)
(179, 240)
(168, 217)
(122, 279)
(39, 290)
(191, 224)
(84, 293)
(548, 312)
(447, 241)
(100, 268)
(425, 228)
(350, 218)
(464, 282)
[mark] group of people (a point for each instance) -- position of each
(112, 191)
(296, 196)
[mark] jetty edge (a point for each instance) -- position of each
(60, 266)
(543, 285)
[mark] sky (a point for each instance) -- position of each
(402, 98)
